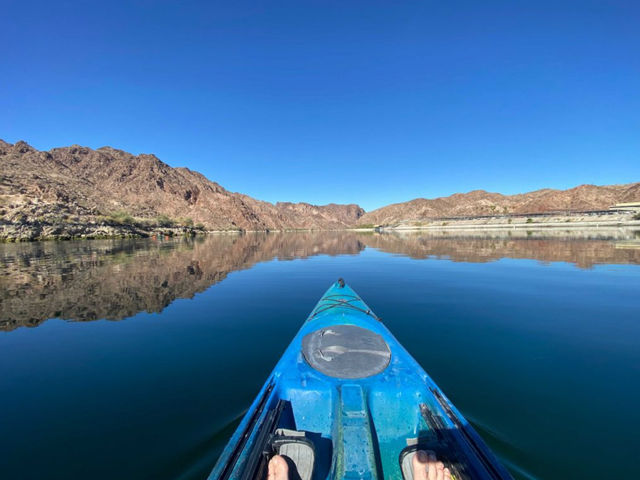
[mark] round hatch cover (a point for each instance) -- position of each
(346, 351)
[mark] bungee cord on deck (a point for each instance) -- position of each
(334, 301)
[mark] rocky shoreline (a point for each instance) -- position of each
(101, 228)
(577, 220)
(39, 231)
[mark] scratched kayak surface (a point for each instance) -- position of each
(349, 402)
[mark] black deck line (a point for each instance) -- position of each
(435, 423)
(255, 467)
(233, 458)
(480, 450)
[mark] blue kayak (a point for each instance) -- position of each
(347, 401)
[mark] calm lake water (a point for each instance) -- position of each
(137, 358)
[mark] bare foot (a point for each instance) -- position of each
(278, 469)
(427, 467)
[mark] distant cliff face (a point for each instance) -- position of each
(76, 182)
(479, 202)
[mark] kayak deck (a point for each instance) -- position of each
(358, 399)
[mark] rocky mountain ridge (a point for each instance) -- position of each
(78, 182)
(482, 203)
(79, 191)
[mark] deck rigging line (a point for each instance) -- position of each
(344, 301)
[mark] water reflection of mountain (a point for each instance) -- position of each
(115, 279)
(584, 249)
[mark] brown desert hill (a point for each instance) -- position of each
(77, 182)
(42, 193)
(480, 202)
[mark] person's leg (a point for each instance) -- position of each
(427, 467)
(278, 469)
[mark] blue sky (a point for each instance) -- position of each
(368, 102)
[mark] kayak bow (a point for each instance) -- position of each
(347, 401)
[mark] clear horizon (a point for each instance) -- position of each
(322, 102)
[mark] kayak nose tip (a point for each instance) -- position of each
(341, 282)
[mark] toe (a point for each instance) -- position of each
(271, 470)
(278, 468)
(431, 467)
(419, 465)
